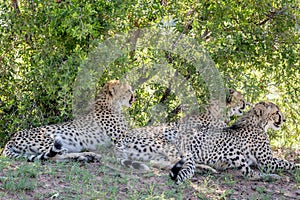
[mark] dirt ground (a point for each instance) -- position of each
(101, 181)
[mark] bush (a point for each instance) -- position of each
(44, 43)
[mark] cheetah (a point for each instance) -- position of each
(66, 141)
(212, 117)
(240, 145)
(172, 132)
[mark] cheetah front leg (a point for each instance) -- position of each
(271, 165)
(268, 164)
(239, 161)
(258, 176)
(82, 157)
(159, 153)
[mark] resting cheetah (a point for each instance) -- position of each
(235, 104)
(65, 141)
(172, 132)
(240, 145)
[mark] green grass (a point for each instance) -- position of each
(229, 180)
(108, 180)
(296, 175)
(19, 178)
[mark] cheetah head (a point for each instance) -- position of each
(235, 103)
(120, 93)
(270, 115)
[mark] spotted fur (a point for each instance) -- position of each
(212, 117)
(85, 133)
(173, 133)
(240, 145)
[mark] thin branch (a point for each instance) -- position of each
(174, 113)
(271, 15)
(133, 41)
(163, 2)
(169, 57)
(16, 6)
(205, 36)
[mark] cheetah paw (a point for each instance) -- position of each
(271, 177)
(202, 166)
(135, 165)
(89, 157)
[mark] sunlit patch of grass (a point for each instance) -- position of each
(3, 163)
(3, 194)
(228, 179)
(22, 177)
(208, 187)
(296, 175)
(226, 194)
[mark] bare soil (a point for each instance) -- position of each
(110, 181)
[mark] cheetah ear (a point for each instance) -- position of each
(259, 109)
(111, 87)
(229, 95)
(231, 91)
(111, 90)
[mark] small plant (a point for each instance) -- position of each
(263, 193)
(226, 193)
(229, 180)
(202, 196)
(150, 189)
(261, 189)
(296, 175)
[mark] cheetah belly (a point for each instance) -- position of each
(83, 143)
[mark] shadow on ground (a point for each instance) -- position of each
(108, 180)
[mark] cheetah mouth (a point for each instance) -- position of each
(277, 125)
(132, 99)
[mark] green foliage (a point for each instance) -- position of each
(254, 44)
(43, 45)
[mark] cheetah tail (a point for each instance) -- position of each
(176, 169)
(53, 151)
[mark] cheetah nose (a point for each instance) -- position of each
(283, 120)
